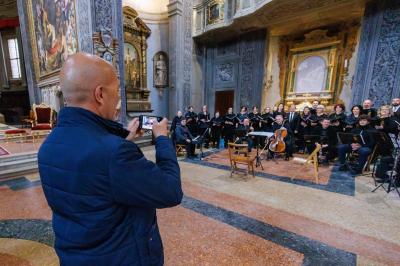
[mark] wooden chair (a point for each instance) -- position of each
(239, 154)
(312, 159)
(180, 149)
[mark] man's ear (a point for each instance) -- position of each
(99, 95)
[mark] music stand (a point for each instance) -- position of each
(260, 134)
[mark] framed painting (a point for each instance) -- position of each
(53, 32)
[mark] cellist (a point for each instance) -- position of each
(276, 126)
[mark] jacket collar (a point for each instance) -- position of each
(75, 116)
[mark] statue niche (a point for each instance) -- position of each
(135, 60)
(160, 62)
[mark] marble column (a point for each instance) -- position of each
(378, 65)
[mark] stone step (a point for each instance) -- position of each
(16, 165)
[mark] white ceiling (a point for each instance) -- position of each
(148, 6)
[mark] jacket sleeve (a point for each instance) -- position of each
(139, 182)
(179, 135)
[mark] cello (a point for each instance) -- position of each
(278, 143)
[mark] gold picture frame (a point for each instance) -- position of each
(53, 35)
(215, 11)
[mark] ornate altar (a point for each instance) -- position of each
(135, 58)
(314, 66)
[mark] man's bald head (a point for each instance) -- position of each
(89, 82)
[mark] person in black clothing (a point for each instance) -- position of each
(267, 120)
(255, 118)
(242, 115)
(203, 124)
(281, 123)
(280, 111)
(216, 129)
(242, 132)
(338, 118)
(396, 108)
(368, 110)
(386, 122)
(363, 149)
(318, 117)
(229, 125)
(191, 121)
(304, 126)
(328, 141)
(176, 121)
(184, 137)
(313, 109)
(351, 120)
(293, 118)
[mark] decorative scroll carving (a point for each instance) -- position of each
(103, 14)
(84, 26)
(224, 72)
(378, 64)
(187, 51)
(246, 76)
(106, 47)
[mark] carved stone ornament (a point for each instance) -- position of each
(106, 47)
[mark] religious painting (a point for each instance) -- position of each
(160, 62)
(53, 34)
(132, 67)
(311, 75)
(215, 11)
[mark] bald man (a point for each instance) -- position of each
(102, 190)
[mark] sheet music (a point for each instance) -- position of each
(261, 134)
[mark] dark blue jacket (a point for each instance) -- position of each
(104, 193)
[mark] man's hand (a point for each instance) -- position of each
(188, 141)
(160, 129)
(133, 129)
(355, 146)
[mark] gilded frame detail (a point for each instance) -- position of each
(211, 7)
(39, 76)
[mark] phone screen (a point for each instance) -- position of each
(148, 121)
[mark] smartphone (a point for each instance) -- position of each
(146, 122)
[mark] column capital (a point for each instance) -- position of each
(175, 7)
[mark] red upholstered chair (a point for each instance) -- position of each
(43, 120)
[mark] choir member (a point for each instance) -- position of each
(313, 109)
(255, 118)
(396, 108)
(216, 129)
(386, 122)
(280, 111)
(191, 121)
(242, 115)
(338, 118)
(304, 126)
(267, 120)
(203, 124)
(352, 119)
(368, 110)
(184, 137)
(176, 121)
(328, 140)
(293, 118)
(229, 126)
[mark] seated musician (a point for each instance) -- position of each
(304, 127)
(191, 121)
(281, 123)
(267, 120)
(203, 124)
(216, 129)
(242, 134)
(351, 120)
(328, 141)
(386, 122)
(364, 149)
(229, 127)
(184, 137)
(176, 121)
